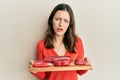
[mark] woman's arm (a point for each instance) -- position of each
(80, 51)
(40, 75)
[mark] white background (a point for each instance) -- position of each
(24, 22)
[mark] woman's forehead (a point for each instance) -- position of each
(62, 14)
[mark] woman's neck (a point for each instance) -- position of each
(59, 45)
(59, 39)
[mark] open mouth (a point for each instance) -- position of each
(59, 29)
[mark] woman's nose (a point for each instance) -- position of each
(61, 23)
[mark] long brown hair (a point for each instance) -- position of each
(69, 37)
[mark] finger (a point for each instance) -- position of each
(31, 62)
(87, 60)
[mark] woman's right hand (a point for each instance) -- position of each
(31, 63)
(40, 75)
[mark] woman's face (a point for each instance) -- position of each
(61, 22)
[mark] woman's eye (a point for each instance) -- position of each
(56, 18)
(67, 21)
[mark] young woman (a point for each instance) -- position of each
(60, 40)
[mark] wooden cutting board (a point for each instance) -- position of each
(60, 68)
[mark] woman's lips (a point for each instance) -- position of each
(59, 29)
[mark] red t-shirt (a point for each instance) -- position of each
(59, 75)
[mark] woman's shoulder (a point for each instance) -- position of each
(41, 42)
(78, 39)
(79, 44)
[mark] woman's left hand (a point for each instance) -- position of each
(87, 60)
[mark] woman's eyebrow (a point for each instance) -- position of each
(62, 18)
